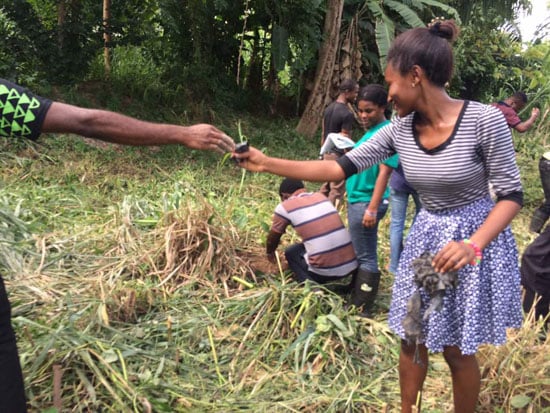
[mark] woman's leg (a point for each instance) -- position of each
(466, 379)
(398, 213)
(355, 227)
(364, 239)
(412, 375)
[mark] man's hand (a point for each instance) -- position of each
(205, 136)
(125, 130)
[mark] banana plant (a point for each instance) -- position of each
(383, 19)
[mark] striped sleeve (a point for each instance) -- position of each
(371, 152)
(498, 152)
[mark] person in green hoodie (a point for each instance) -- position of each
(368, 200)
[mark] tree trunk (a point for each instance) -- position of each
(320, 95)
(61, 15)
(254, 79)
(107, 37)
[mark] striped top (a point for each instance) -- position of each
(329, 250)
(457, 172)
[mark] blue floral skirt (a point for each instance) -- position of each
(487, 300)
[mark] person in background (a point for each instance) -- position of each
(326, 252)
(401, 190)
(338, 118)
(26, 115)
(368, 195)
(511, 106)
(542, 213)
(535, 276)
(450, 149)
(535, 261)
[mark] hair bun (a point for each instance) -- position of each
(445, 29)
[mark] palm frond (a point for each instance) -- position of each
(450, 12)
(385, 33)
(409, 16)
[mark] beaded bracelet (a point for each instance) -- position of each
(476, 249)
(371, 214)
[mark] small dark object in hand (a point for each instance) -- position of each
(241, 148)
(435, 284)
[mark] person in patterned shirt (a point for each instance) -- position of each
(450, 149)
(26, 115)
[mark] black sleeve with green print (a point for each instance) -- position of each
(21, 112)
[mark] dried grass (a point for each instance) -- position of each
(149, 297)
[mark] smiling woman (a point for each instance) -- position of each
(450, 149)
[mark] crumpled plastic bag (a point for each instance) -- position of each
(435, 284)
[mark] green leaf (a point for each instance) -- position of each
(384, 32)
(448, 10)
(110, 356)
(520, 401)
(408, 15)
(322, 324)
(375, 9)
(339, 325)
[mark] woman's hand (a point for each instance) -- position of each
(453, 257)
(252, 160)
(317, 171)
(369, 219)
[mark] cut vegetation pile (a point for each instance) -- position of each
(138, 284)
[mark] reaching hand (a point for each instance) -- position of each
(204, 136)
(252, 160)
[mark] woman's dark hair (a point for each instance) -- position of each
(428, 47)
(374, 93)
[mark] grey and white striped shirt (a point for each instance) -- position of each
(480, 150)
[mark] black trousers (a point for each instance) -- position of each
(297, 263)
(12, 389)
(535, 274)
(544, 171)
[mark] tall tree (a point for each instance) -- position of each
(342, 42)
(323, 76)
(107, 36)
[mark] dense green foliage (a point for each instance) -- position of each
(255, 56)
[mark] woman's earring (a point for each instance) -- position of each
(413, 84)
